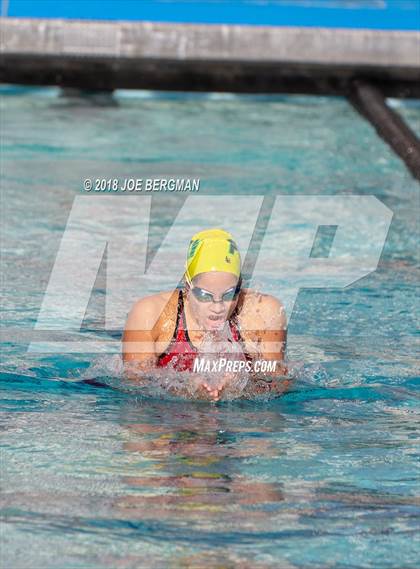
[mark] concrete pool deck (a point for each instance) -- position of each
(202, 57)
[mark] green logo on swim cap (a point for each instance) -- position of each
(232, 247)
(193, 248)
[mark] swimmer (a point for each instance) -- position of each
(169, 329)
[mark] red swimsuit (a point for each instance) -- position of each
(181, 353)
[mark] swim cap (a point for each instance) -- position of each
(212, 250)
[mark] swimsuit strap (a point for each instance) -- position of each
(234, 330)
(181, 329)
(180, 309)
(181, 333)
(178, 333)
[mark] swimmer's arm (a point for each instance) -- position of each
(272, 347)
(138, 348)
(140, 357)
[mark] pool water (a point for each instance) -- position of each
(97, 475)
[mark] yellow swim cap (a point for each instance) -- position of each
(212, 250)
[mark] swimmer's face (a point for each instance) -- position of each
(212, 315)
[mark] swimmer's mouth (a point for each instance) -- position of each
(215, 322)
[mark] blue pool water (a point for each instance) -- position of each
(99, 476)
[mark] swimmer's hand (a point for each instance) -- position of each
(253, 384)
(213, 393)
(208, 390)
(215, 390)
(197, 386)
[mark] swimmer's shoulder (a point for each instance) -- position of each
(153, 311)
(260, 307)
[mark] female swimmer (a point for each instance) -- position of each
(169, 329)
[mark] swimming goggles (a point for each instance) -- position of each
(203, 295)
